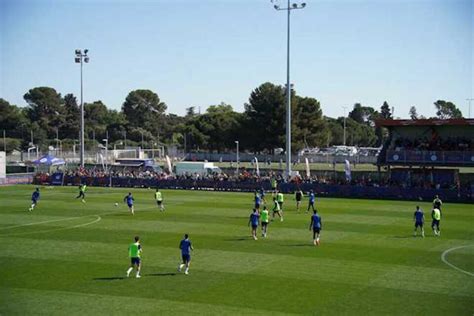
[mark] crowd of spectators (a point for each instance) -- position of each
(250, 176)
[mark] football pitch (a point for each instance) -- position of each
(67, 257)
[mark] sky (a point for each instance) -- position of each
(204, 52)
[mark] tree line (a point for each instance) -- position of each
(143, 121)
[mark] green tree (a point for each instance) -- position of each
(71, 126)
(264, 126)
(385, 111)
(95, 119)
(447, 110)
(413, 113)
(363, 114)
(13, 120)
(307, 124)
(46, 109)
(143, 109)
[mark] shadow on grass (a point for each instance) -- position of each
(109, 279)
(238, 239)
(160, 274)
(300, 245)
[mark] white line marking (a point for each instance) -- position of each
(43, 222)
(56, 229)
(443, 258)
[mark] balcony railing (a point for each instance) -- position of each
(431, 157)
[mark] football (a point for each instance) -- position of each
(116, 204)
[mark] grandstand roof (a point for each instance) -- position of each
(425, 122)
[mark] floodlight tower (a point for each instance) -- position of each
(288, 8)
(81, 58)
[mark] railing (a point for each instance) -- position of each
(431, 157)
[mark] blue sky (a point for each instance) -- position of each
(203, 52)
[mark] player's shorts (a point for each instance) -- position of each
(281, 205)
(264, 224)
(159, 202)
(311, 203)
(254, 226)
(130, 205)
(418, 224)
(186, 258)
(298, 200)
(276, 211)
(135, 260)
(317, 229)
(34, 201)
(435, 223)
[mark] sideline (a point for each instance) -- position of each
(443, 258)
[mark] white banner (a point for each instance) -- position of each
(257, 167)
(308, 172)
(168, 161)
(347, 170)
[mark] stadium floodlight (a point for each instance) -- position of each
(81, 59)
(288, 8)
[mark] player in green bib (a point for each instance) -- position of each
(159, 200)
(135, 252)
(264, 219)
(436, 216)
(82, 193)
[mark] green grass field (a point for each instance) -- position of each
(70, 258)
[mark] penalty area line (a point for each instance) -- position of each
(443, 258)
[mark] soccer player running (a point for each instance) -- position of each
(34, 199)
(280, 198)
(253, 220)
(298, 198)
(258, 200)
(186, 248)
(436, 216)
(159, 200)
(437, 202)
(311, 201)
(264, 218)
(316, 224)
(419, 219)
(129, 200)
(276, 210)
(262, 195)
(82, 193)
(135, 252)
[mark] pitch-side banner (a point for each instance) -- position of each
(168, 161)
(347, 170)
(257, 168)
(308, 172)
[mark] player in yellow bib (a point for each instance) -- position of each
(135, 252)
(264, 219)
(159, 200)
(436, 217)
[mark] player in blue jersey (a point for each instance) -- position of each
(186, 248)
(253, 220)
(258, 200)
(129, 200)
(419, 219)
(34, 199)
(262, 195)
(316, 225)
(310, 201)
